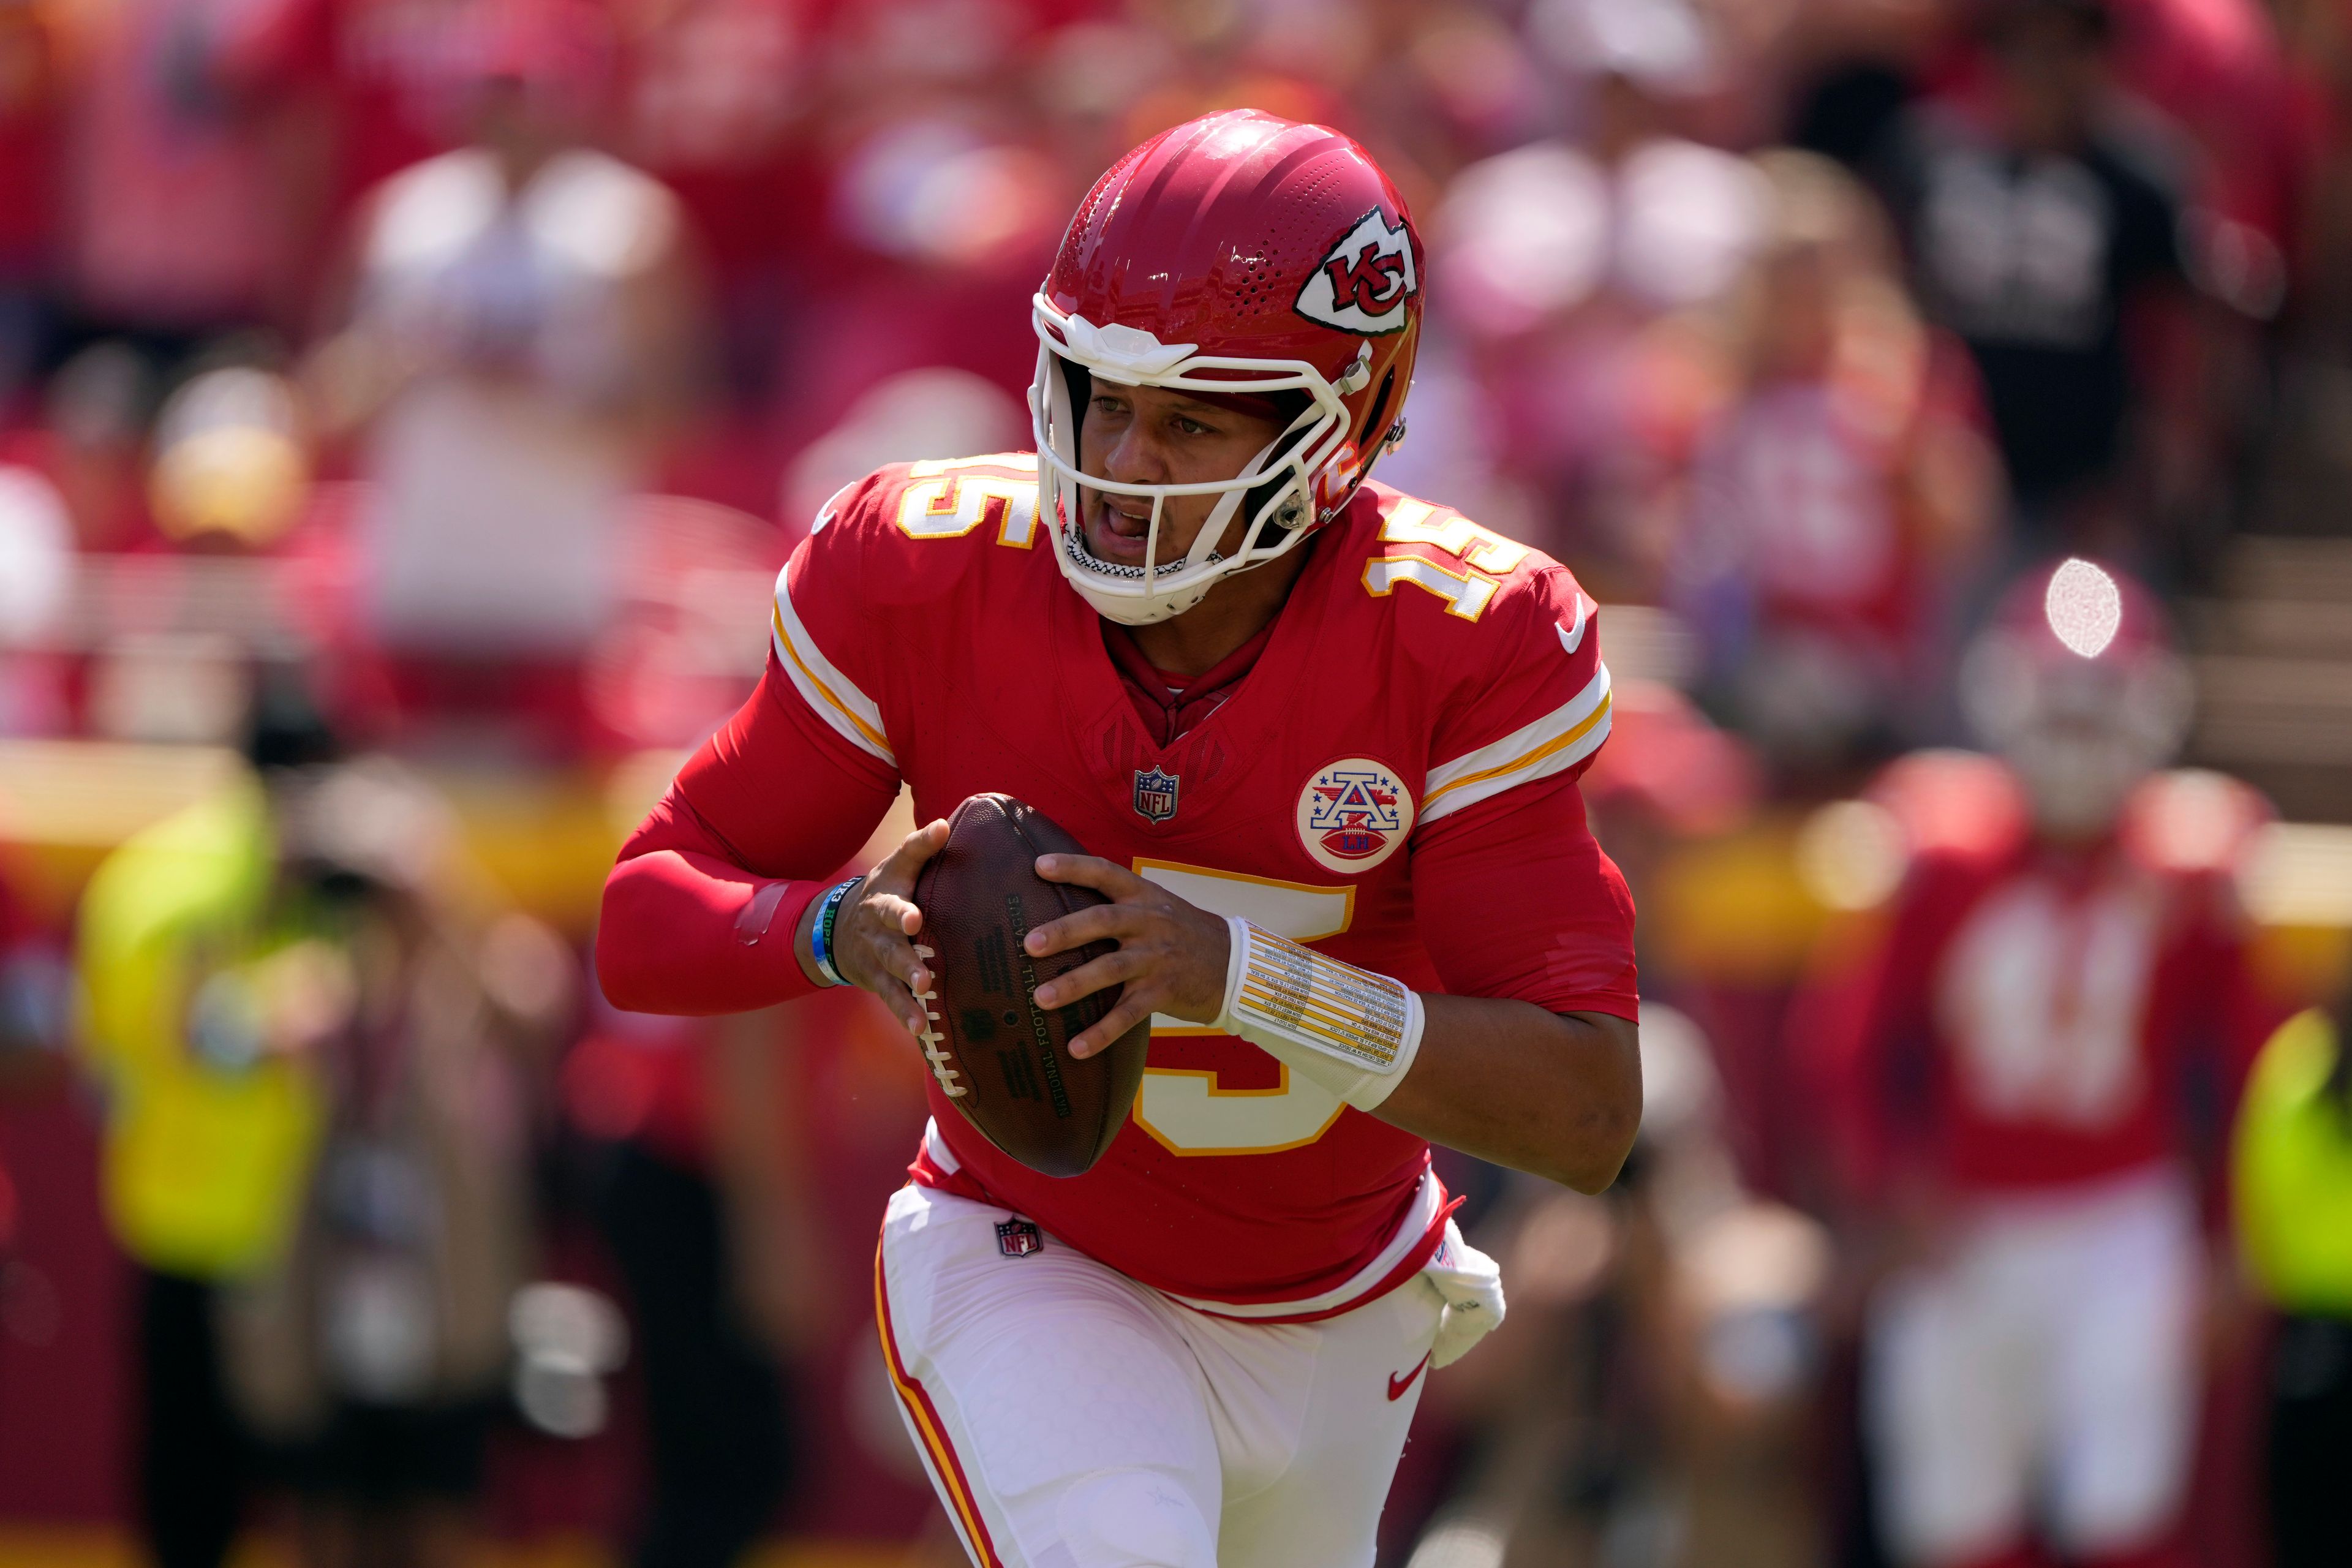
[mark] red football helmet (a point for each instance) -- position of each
(2077, 685)
(1234, 254)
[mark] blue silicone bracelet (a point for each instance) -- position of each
(821, 933)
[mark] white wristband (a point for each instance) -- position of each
(1348, 1029)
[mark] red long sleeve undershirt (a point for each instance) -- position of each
(699, 913)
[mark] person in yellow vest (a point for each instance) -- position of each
(2292, 1167)
(212, 1111)
(315, 1027)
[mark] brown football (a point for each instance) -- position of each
(980, 897)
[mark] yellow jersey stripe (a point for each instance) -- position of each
(809, 671)
(1538, 754)
(1558, 740)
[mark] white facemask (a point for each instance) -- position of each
(1288, 466)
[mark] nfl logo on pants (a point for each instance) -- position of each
(1018, 1237)
(1155, 794)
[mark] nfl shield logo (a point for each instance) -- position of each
(1155, 794)
(1018, 1238)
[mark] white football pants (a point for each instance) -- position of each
(1071, 1418)
(2046, 1370)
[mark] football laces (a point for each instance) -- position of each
(942, 1063)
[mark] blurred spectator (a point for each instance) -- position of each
(1734, 1314)
(214, 1115)
(907, 417)
(36, 581)
(2034, 1067)
(1831, 502)
(90, 443)
(1568, 266)
(36, 573)
(521, 327)
(2307, 479)
(2294, 1168)
(231, 469)
(308, 1148)
(28, 151)
(1679, 791)
(197, 170)
(35, 988)
(2037, 220)
(1853, 66)
(710, 1201)
(368, 1354)
(705, 1204)
(1681, 779)
(1173, 60)
(715, 99)
(940, 218)
(673, 659)
(1643, 1400)
(2217, 67)
(399, 72)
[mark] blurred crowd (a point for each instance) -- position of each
(405, 405)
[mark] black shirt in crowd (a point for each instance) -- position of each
(2032, 258)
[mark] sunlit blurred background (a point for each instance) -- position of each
(404, 407)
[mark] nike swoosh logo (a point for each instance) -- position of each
(833, 504)
(1572, 638)
(1397, 1386)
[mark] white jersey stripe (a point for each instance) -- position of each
(1428, 1208)
(833, 695)
(1553, 743)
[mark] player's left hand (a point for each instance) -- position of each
(1171, 955)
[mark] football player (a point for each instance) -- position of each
(1282, 705)
(2055, 1011)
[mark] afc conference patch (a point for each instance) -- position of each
(1353, 815)
(1018, 1238)
(1155, 794)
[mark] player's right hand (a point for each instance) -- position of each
(872, 932)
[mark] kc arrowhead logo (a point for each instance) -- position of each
(1362, 284)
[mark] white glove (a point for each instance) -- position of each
(1472, 1285)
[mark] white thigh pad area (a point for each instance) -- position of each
(1071, 1418)
(1133, 1519)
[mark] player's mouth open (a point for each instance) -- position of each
(1119, 527)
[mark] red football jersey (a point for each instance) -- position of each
(2034, 1019)
(1392, 782)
